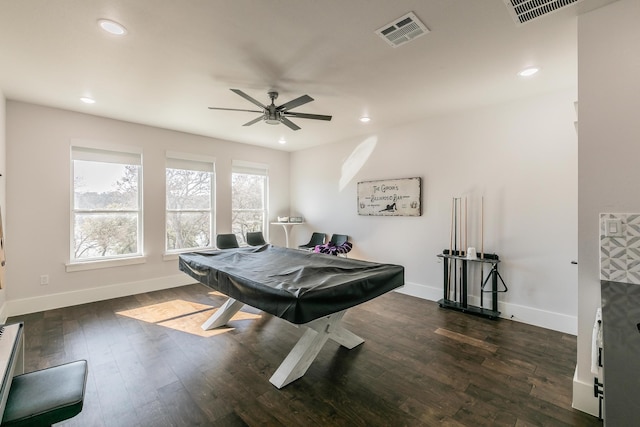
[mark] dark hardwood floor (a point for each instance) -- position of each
(151, 365)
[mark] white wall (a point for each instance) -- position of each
(522, 157)
(609, 149)
(3, 189)
(38, 200)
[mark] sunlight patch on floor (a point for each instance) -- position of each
(181, 315)
(217, 294)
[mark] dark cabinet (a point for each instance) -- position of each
(621, 353)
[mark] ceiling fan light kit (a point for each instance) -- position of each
(274, 115)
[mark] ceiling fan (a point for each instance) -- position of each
(275, 115)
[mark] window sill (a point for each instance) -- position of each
(94, 265)
(170, 256)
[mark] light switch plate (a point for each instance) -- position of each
(613, 228)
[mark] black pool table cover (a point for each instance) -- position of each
(295, 285)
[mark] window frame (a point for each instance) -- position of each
(259, 169)
(195, 161)
(106, 153)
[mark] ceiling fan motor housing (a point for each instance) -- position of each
(271, 115)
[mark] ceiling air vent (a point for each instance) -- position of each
(402, 30)
(527, 10)
(524, 11)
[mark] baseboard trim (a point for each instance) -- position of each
(421, 291)
(545, 319)
(532, 316)
(583, 398)
(66, 299)
(542, 318)
(3, 309)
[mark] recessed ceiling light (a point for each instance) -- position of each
(112, 27)
(528, 72)
(365, 119)
(282, 141)
(88, 100)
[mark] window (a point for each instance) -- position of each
(190, 201)
(249, 192)
(107, 206)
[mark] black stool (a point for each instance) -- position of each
(45, 397)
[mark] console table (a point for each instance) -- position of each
(460, 301)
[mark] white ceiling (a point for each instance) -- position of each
(180, 57)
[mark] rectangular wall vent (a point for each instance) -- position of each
(524, 11)
(527, 10)
(402, 30)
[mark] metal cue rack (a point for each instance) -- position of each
(458, 284)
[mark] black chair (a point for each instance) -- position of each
(45, 397)
(338, 239)
(316, 239)
(255, 238)
(227, 241)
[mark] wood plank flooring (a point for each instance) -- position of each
(420, 365)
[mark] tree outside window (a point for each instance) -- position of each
(189, 208)
(248, 201)
(107, 214)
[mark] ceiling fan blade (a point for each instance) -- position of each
(289, 123)
(256, 120)
(295, 103)
(306, 116)
(248, 98)
(234, 109)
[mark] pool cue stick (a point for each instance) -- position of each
(482, 228)
(461, 227)
(466, 241)
(481, 248)
(448, 290)
(466, 223)
(461, 246)
(455, 250)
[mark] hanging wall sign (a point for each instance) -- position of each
(390, 197)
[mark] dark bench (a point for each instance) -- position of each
(47, 396)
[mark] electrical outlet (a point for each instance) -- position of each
(44, 279)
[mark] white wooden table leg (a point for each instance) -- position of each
(223, 314)
(299, 358)
(309, 345)
(345, 337)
